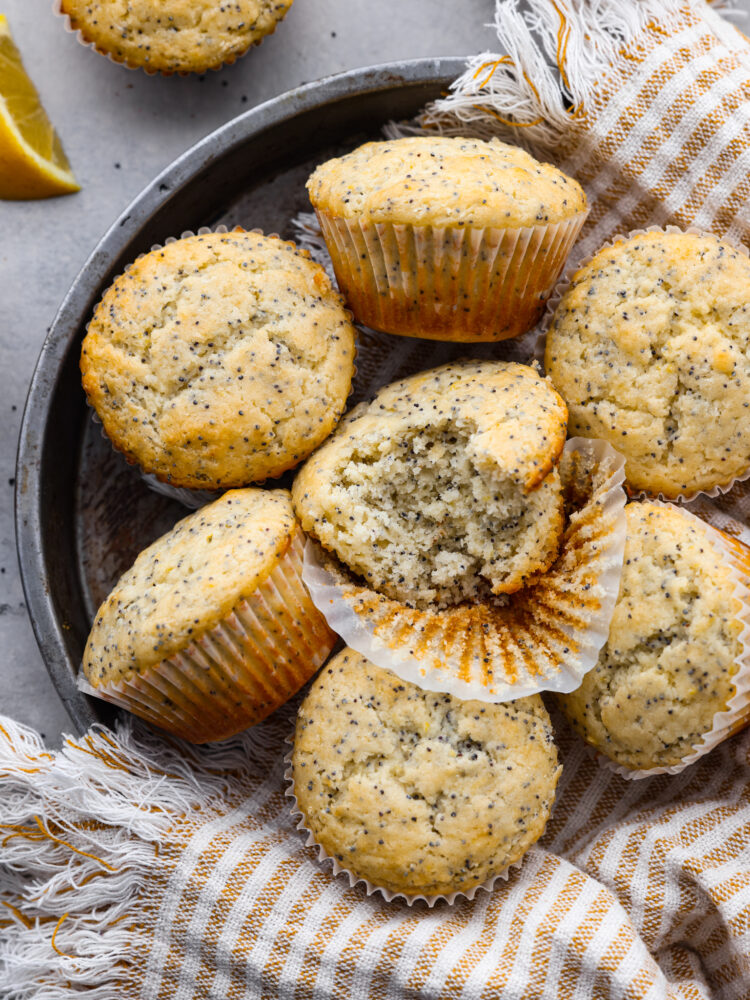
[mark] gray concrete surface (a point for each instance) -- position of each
(120, 128)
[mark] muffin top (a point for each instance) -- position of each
(417, 791)
(444, 486)
(175, 36)
(668, 663)
(219, 360)
(445, 181)
(187, 580)
(650, 348)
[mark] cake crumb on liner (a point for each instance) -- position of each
(238, 672)
(544, 637)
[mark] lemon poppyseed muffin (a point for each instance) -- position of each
(444, 237)
(174, 36)
(650, 348)
(445, 486)
(416, 791)
(671, 660)
(212, 628)
(219, 360)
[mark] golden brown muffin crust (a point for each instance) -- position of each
(175, 36)
(668, 663)
(417, 791)
(445, 181)
(219, 360)
(184, 583)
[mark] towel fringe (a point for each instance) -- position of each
(555, 53)
(78, 898)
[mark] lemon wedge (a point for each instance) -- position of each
(32, 161)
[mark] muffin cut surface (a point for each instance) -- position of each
(668, 663)
(650, 348)
(444, 487)
(420, 792)
(219, 360)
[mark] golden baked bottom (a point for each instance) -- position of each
(650, 348)
(185, 582)
(445, 181)
(444, 487)
(417, 791)
(175, 36)
(668, 663)
(219, 360)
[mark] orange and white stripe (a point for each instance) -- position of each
(234, 904)
(665, 138)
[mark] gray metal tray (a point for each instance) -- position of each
(83, 514)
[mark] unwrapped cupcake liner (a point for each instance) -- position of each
(737, 713)
(238, 672)
(466, 284)
(81, 38)
(544, 638)
(409, 898)
(554, 301)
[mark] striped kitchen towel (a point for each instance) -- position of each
(645, 102)
(137, 867)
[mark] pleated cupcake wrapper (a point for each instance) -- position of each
(239, 671)
(554, 301)
(190, 498)
(545, 638)
(467, 284)
(81, 38)
(737, 713)
(338, 869)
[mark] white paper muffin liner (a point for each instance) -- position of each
(469, 284)
(81, 38)
(409, 898)
(545, 638)
(554, 301)
(737, 713)
(239, 671)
